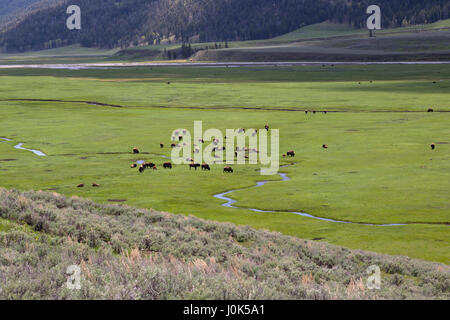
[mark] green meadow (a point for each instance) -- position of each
(379, 167)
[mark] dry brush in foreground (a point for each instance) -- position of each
(129, 253)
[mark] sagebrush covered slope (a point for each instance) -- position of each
(128, 253)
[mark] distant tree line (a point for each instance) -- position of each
(124, 23)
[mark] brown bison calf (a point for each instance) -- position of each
(228, 169)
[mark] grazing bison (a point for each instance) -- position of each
(430, 110)
(325, 146)
(194, 165)
(134, 165)
(149, 165)
(161, 145)
(167, 165)
(95, 185)
(81, 185)
(205, 166)
(228, 169)
(290, 153)
(433, 146)
(135, 150)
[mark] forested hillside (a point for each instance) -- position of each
(120, 23)
(11, 11)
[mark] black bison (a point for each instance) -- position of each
(228, 169)
(194, 165)
(430, 110)
(135, 150)
(173, 145)
(161, 145)
(149, 165)
(290, 153)
(141, 168)
(95, 185)
(81, 185)
(325, 146)
(266, 127)
(205, 166)
(306, 111)
(134, 165)
(167, 165)
(433, 146)
(180, 138)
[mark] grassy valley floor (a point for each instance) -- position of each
(379, 167)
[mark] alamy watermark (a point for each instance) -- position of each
(374, 280)
(374, 21)
(74, 277)
(229, 149)
(73, 22)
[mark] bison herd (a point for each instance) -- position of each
(95, 185)
(168, 165)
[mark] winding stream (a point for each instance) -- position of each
(19, 146)
(36, 152)
(284, 177)
(230, 203)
